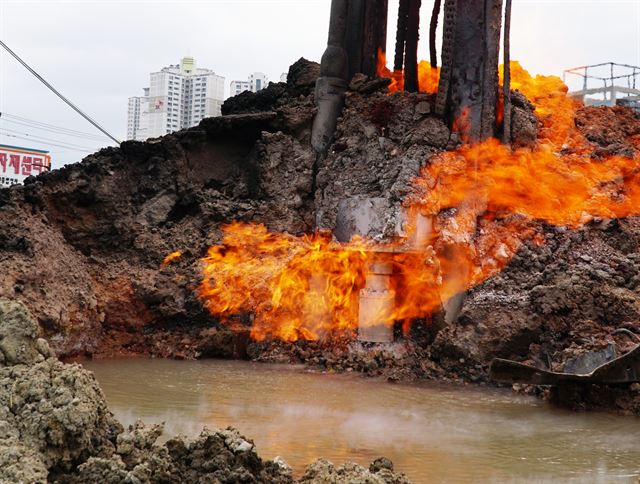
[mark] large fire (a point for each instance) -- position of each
(482, 202)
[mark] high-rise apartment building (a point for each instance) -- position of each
(239, 86)
(137, 114)
(256, 81)
(178, 97)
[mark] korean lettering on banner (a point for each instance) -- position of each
(24, 164)
(14, 161)
(39, 165)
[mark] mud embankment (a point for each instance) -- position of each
(82, 246)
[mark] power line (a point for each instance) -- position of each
(32, 123)
(29, 138)
(42, 138)
(48, 130)
(41, 123)
(49, 144)
(56, 92)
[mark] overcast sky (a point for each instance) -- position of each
(99, 53)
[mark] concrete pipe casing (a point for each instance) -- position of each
(376, 305)
(330, 100)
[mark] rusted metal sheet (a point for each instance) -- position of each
(624, 369)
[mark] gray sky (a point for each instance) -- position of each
(99, 53)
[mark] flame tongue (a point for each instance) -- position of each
(297, 287)
(428, 77)
(482, 202)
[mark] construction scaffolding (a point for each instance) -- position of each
(607, 84)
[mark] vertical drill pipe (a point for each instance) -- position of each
(411, 49)
(332, 84)
(354, 36)
(433, 26)
(506, 134)
(375, 34)
(338, 21)
(490, 89)
(448, 34)
(334, 59)
(401, 34)
(468, 91)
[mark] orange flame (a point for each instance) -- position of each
(428, 77)
(306, 287)
(554, 108)
(171, 257)
(481, 203)
(298, 287)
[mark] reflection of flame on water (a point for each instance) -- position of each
(482, 201)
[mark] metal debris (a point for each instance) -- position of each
(624, 369)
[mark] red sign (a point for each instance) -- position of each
(19, 163)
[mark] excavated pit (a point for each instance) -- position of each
(82, 247)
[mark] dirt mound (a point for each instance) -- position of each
(83, 246)
(215, 456)
(53, 416)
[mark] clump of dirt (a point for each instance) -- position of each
(55, 426)
(52, 416)
(380, 472)
(214, 456)
(613, 129)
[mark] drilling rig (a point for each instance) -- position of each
(468, 91)
(467, 99)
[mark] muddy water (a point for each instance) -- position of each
(433, 433)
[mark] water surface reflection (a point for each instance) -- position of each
(433, 433)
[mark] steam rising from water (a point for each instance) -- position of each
(448, 434)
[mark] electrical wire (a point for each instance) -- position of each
(21, 125)
(47, 125)
(42, 138)
(10, 118)
(47, 142)
(56, 92)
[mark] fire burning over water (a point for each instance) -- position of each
(481, 202)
